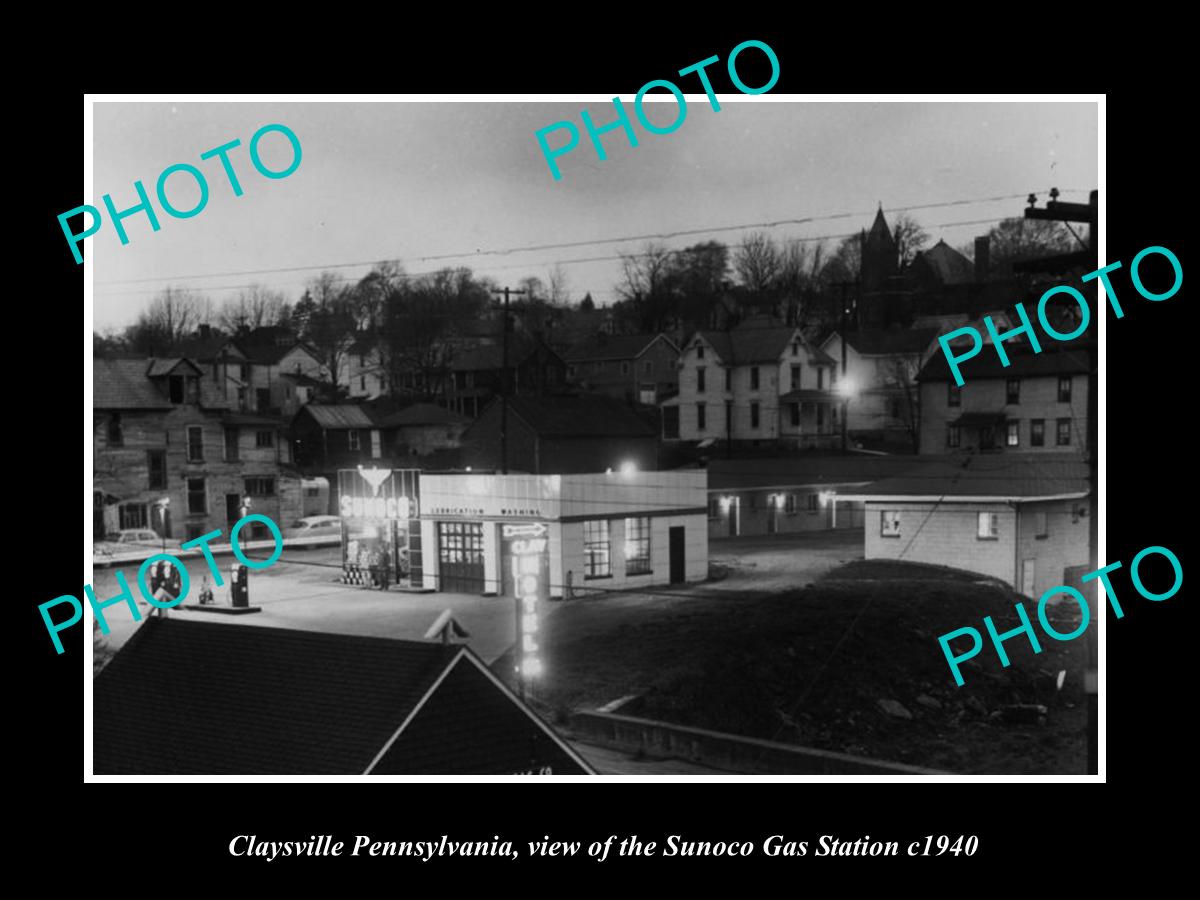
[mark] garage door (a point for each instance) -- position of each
(460, 557)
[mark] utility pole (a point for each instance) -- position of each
(1087, 213)
(506, 291)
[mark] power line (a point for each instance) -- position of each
(665, 235)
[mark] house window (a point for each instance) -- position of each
(728, 379)
(156, 462)
(889, 523)
(352, 438)
(989, 526)
(132, 515)
(197, 496)
(953, 436)
(754, 378)
(1013, 433)
(1064, 389)
(637, 546)
(116, 433)
(1037, 432)
(795, 348)
(820, 378)
(700, 380)
(245, 372)
(261, 486)
(753, 415)
(894, 407)
(231, 444)
(175, 388)
(195, 443)
(714, 508)
(670, 422)
(1013, 391)
(795, 378)
(570, 371)
(795, 407)
(362, 382)
(699, 350)
(1040, 525)
(648, 367)
(264, 439)
(789, 504)
(596, 559)
(700, 417)
(728, 417)
(953, 394)
(1064, 433)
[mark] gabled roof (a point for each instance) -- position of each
(125, 384)
(616, 347)
(950, 266)
(339, 415)
(755, 344)
(987, 478)
(165, 366)
(579, 415)
(207, 349)
(222, 698)
(422, 414)
(884, 342)
(1023, 363)
(880, 232)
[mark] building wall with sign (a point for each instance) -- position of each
(610, 531)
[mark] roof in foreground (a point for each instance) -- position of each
(340, 415)
(991, 477)
(192, 697)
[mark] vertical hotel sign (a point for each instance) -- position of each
(526, 551)
(381, 535)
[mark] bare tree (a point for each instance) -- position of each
(168, 320)
(900, 377)
(1016, 239)
(559, 292)
(757, 262)
(330, 327)
(253, 308)
(910, 238)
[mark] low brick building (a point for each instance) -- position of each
(1021, 519)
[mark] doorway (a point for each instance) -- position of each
(678, 561)
(1028, 579)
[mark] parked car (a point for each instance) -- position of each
(130, 542)
(316, 526)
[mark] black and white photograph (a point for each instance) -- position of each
(511, 437)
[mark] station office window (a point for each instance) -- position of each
(637, 546)
(1037, 432)
(352, 438)
(789, 505)
(1013, 438)
(889, 523)
(1041, 528)
(597, 562)
(714, 508)
(989, 526)
(812, 503)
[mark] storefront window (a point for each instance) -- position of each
(637, 546)
(597, 562)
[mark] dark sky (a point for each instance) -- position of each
(410, 180)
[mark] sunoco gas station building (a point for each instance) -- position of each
(461, 532)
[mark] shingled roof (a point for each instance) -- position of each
(755, 344)
(339, 415)
(190, 697)
(987, 477)
(127, 384)
(1023, 363)
(579, 415)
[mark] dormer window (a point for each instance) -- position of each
(699, 350)
(795, 348)
(175, 388)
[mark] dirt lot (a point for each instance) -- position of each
(851, 663)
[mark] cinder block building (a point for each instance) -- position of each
(1021, 519)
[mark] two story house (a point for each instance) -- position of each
(1037, 404)
(755, 382)
(172, 454)
(636, 368)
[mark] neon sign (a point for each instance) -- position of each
(375, 507)
(527, 550)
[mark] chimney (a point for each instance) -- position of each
(982, 260)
